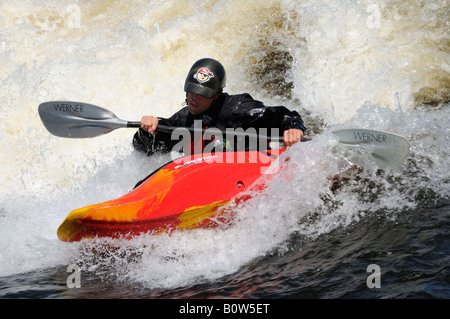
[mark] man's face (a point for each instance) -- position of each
(197, 103)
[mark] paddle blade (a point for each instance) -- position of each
(77, 120)
(388, 150)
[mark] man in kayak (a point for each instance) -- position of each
(206, 102)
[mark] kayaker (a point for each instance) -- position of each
(206, 101)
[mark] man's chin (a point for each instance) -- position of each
(194, 110)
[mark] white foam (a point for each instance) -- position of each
(132, 59)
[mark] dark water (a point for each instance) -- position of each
(334, 62)
(412, 251)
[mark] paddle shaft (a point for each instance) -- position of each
(83, 120)
(132, 124)
(212, 131)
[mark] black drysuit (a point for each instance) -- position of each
(228, 111)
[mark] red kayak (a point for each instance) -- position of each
(190, 192)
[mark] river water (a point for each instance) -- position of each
(380, 65)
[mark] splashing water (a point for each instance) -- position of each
(378, 65)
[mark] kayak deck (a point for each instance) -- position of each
(190, 192)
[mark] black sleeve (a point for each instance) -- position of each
(149, 144)
(287, 119)
(252, 113)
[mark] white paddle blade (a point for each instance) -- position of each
(77, 120)
(388, 150)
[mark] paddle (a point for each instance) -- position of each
(388, 150)
(83, 120)
(79, 120)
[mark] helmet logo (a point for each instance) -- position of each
(203, 75)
